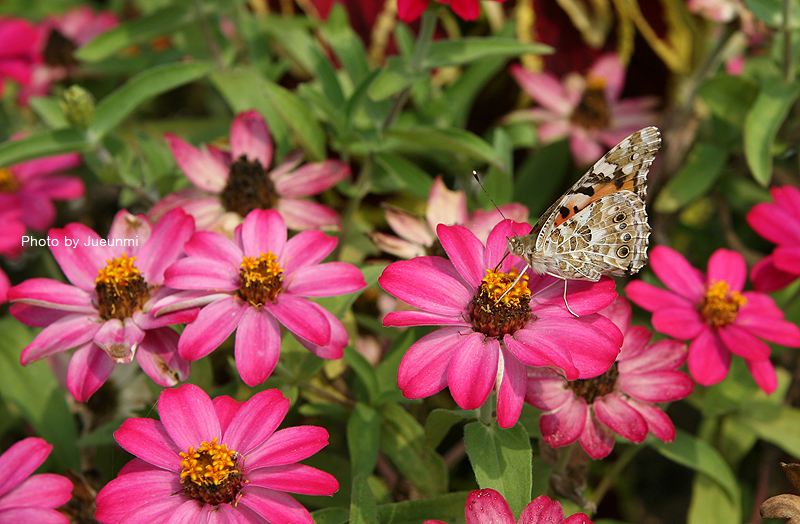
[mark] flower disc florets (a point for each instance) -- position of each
(261, 279)
(720, 306)
(248, 188)
(121, 289)
(592, 388)
(211, 473)
(593, 112)
(495, 317)
(8, 184)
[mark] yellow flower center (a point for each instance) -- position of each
(121, 289)
(8, 184)
(592, 112)
(211, 473)
(720, 305)
(495, 316)
(260, 279)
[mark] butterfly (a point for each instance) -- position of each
(599, 226)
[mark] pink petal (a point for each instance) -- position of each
(547, 389)
(677, 274)
(128, 495)
(188, 416)
(89, 368)
(422, 318)
(410, 227)
(203, 169)
(465, 251)
(610, 69)
(305, 214)
(542, 510)
(466, 9)
(511, 390)
(775, 223)
(653, 298)
(302, 317)
(22, 459)
(119, 339)
(295, 478)
(214, 246)
(428, 283)
(250, 137)
(709, 358)
(488, 506)
(256, 420)
(620, 417)
(65, 333)
(585, 150)
(263, 231)
(148, 439)
(396, 246)
(424, 368)
(310, 179)
(551, 129)
(544, 88)
(564, 426)
(481, 222)
(774, 330)
(126, 225)
(213, 325)
(444, 207)
(289, 445)
(198, 273)
(743, 343)
(41, 211)
(281, 507)
(257, 346)
(326, 280)
(20, 34)
(159, 359)
(662, 355)
(473, 370)
(46, 490)
(619, 312)
(339, 339)
(37, 515)
(44, 292)
(307, 249)
(41, 167)
(679, 322)
(583, 297)
(657, 386)
(165, 245)
(58, 187)
(597, 439)
(764, 374)
(727, 266)
(537, 348)
(658, 423)
(80, 263)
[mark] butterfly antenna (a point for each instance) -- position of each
(478, 180)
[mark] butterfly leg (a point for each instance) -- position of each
(565, 294)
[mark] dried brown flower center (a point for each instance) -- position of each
(592, 388)
(8, 184)
(211, 473)
(59, 49)
(121, 289)
(260, 279)
(592, 112)
(249, 187)
(495, 317)
(720, 305)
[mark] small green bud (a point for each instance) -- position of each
(78, 105)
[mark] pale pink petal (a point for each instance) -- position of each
(465, 251)
(547, 389)
(428, 283)
(444, 207)
(307, 249)
(597, 439)
(204, 207)
(89, 368)
(311, 179)
(679, 322)
(610, 69)
(119, 339)
(677, 274)
(326, 280)
(159, 359)
(22, 459)
(709, 359)
(764, 374)
(544, 88)
(256, 420)
(661, 386)
(65, 333)
(250, 137)
(481, 222)
(424, 368)
(410, 227)
(565, 425)
(585, 150)
(550, 131)
(396, 246)
(290, 162)
(473, 370)
(213, 325)
(257, 346)
(188, 416)
(148, 439)
(281, 507)
(203, 169)
(488, 506)
(288, 445)
(727, 266)
(128, 226)
(511, 390)
(305, 214)
(295, 478)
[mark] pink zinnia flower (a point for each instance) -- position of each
(26, 498)
(487, 506)
(621, 400)
(230, 185)
(18, 51)
(488, 344)
(410, 10)
(215, 461)
(255, 284)
(10, 238)
(587, 109)
(418, 236)
(58, 38)
(106, 313)
(778, 222)
(714, 313)
(33, 185)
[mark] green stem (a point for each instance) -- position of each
(788, 66)
(613, 472)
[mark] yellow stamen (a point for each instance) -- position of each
(121, 289)
(261, 279)
(211, 463)
(8, 184)
(118, 271)
(496, 283)
(496, 317)
(721, 305)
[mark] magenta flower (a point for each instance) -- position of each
(230, 185)
(714, 313)
(587, 109)
(32, 186)
(418, 237)
(26, 498)
(107, 313)
(215, 461)
(488, 344)
(621, 400)
(10, 238)
(255, 284)
(58, 38)
(487, 506)
(18, 51)
(410, 10)
(778, 222)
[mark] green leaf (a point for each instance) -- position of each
(771, 12)
(779, 425)
(711, 504)
(501, 460)
(363, 370)
(296, 114)
(458, 51)
(346, 44)
(48, 109)
(439, 422)
(363, 509)
(698, 455)
(541, 175)
(363, 439)
(138, 31)
(695, 178)
(393, 78)
(407, 174)
(114, 108)
(499, 183)
(331, 516)
(36, 393)
(403, 440)
(762, 124)
(447, 508)
(729, 97)
(42, 144)
(294, 37)
(451, 140)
